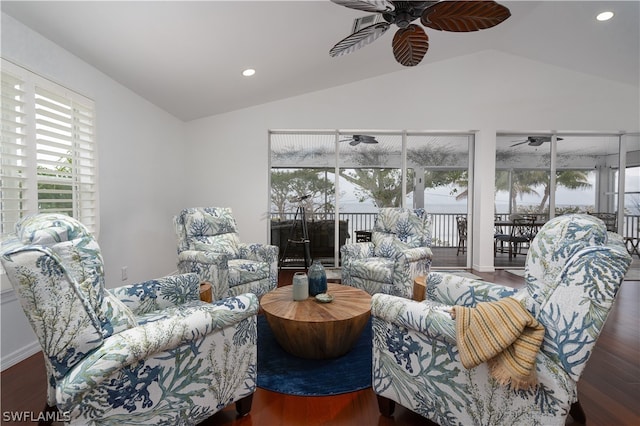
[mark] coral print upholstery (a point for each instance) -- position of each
(399, 251)
(209, 245)
(147, 353)
(573, 272)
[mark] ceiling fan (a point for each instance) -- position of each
(410, 42)
(357, 139)
(535, 140)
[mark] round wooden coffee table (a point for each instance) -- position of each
(310, 329)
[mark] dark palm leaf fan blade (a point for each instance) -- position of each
(519, 143)
(464, 16)
(410, 45)
(359, 39)
(374, 6)
(357, 139)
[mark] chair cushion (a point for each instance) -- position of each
(377, 269)
(212, 229)
(557, 241)
(210, 221)
(48, 229)
(409, 226)
(387, 245)
(223, 243)
(242, 271)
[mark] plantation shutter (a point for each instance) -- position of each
(13, 158)
(48, 150)
(65, 161)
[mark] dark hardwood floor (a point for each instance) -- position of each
(609, 388)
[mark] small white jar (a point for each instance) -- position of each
(300, 286)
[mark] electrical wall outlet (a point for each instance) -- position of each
(124, 273)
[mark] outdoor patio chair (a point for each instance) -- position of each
(609, 219)
(522, 232)
(461, 223)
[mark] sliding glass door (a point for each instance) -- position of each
(546, 175)
(352, 174)
(440, 174)
(303, 197)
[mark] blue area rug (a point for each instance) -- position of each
(281, 372)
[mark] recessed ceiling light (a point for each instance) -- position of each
(604, 16)
(248, 72)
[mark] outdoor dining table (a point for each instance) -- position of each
(505, 229)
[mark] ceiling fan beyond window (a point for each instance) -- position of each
(358, 139)
(534, 140)
(410, 43)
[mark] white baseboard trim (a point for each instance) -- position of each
(20, 355)
(483, 268)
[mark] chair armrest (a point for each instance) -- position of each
(428, 318)
(259, 252)
(415, 254)
(212, 267)
(205, 257)
(409, 264)
(356, 251)
(158, 340)
(152, 295)
(455, 290)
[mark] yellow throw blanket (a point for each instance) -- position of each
(503, 334)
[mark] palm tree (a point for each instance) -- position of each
(524, 182)
(571, 179)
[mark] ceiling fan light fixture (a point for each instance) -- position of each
(604, 16)
(248, 72)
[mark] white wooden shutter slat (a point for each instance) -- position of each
(11, 136)
(57, 146)
(10, 104)
(48, 149)
(13, 158)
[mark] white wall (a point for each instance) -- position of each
(487, 91)
(140, 163)
(151, 165)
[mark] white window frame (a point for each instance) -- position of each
(48, 138)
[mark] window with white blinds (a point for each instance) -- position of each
(48, 150)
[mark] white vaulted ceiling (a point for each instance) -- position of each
(187, 56)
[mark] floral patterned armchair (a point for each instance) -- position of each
(209, 245)
(573, 271)
(398, 252)
(148, 353)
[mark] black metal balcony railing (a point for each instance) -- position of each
(444, 231)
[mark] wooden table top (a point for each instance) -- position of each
(348, 302)
(310, 329)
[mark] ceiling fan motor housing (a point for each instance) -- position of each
(406, 12)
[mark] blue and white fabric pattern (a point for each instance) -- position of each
(148, 353)
(574, 269)
(209, 245)
(399, 251)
